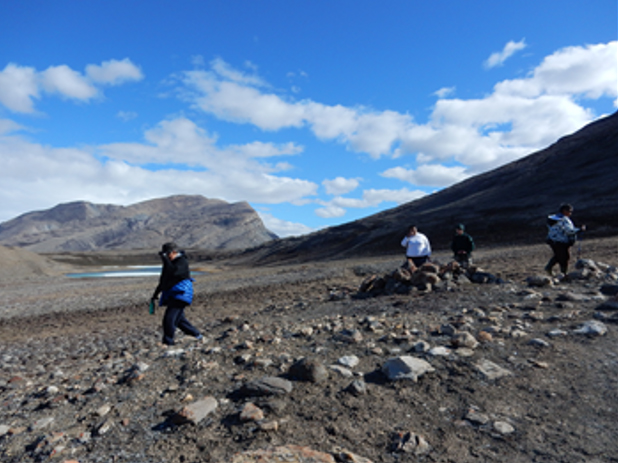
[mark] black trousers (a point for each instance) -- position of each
(175, 318)
(562, 254)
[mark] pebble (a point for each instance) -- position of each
(592, 328)
(406, 367)
(503, 428)
(491, 370)
(349, 361)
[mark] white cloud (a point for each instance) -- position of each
(444, 92)
(498, 58)
(519, 117)
(330, 212)
(67, 82)
(61, 175)
(340, 185)
(371, 198)
(20, 86)
(114, 72)
(283, 228)
(435, 175)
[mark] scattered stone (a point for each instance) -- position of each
(349, 361)
(608, 305)
(538, 342)
(194, 413)
(491, 370)
(476, 417)
(308, 370)
(345, 456)
(349, 336)
(439, 351)
(268, 385)
(357, 387)
(539, 281)
(409, 442)
(104, 410)
(421, 347)
(557, 333)
(269, 425)
(464, 339)
(251, 412)
(609, 289)
(592, 328)
(503, 428)
(343, 371)
(103, 428)
(406, 367)
(288, 454)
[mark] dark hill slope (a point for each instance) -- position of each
(506, 205)
(192, 221)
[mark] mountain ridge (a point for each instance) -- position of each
(191, 220)
(505, 205)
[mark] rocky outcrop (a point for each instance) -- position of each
(191, 221)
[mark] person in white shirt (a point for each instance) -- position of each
(418, 248)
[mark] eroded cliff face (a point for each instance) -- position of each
(191, 221)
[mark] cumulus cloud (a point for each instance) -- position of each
(126, 174)
(498, 58)
(340, 185)
(435, 175)
(518, 117)
(283, 228)
(114, 72)
(18, 88)
(21, 85)
(370, 198)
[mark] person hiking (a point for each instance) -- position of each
(561, 235)
(176, 289)
(418, 248)
(462, 246)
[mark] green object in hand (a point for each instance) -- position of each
(151, 308)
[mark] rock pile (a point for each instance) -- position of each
(428, 277)
(412, 374)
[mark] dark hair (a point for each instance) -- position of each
(566, 207)
(460, 226)
(169, 247)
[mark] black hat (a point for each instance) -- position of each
(460, 226)
(169, 247)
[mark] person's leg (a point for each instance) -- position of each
(561, 254)
(186, 326)
(170, 320)
(552, 261)
(418, 261)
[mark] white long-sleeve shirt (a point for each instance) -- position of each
(416, 245)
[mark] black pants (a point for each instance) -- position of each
(175, 318)
(418, 261)
(562, 254)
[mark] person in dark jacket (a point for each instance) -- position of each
(176, 289)
(462, 246)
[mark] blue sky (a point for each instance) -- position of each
(315, 112)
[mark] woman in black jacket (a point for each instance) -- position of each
(176, 289)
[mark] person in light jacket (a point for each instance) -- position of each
(561, 235)
(418, 248)
(176, 289)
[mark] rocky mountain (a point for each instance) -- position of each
(504, 206)
(191, 221)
